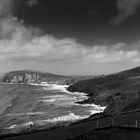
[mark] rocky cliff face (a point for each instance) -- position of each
(34, 77)
(22, 78)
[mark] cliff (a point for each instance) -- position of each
(28, 76)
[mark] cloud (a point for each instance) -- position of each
(20, 43)
(6, 7)
(125, 8)
(48, 49)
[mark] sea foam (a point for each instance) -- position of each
(79, 95)
(27, 113)
(70, 117)
(19, 126)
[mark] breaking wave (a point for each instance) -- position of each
(22, 125)
(63, 88)
(70, 117)
(48, 100)
(81, 96)
(95, 108)
(28, 113)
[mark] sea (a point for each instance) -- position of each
(25, 108)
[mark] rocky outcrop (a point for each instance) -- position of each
(22, 78)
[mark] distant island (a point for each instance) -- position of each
(30, 76)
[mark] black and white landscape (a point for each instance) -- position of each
(69, 69)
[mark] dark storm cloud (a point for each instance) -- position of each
(125, 9)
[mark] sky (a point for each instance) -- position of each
(73, 37)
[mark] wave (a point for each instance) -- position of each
(70, 117)
(62, 88)
(48, 100)
(94, 108)
(78, 96)
(28, 124)
(28, 113)
(83, 96)
(97, 110)
(22, 125)
(12, 126)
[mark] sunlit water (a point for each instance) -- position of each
(41, 106)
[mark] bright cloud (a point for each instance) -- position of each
(27, 44)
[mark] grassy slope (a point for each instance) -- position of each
(119, 85)
(118, 90)
(110, 134)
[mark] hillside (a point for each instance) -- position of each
(117, 91)
(110, 134)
